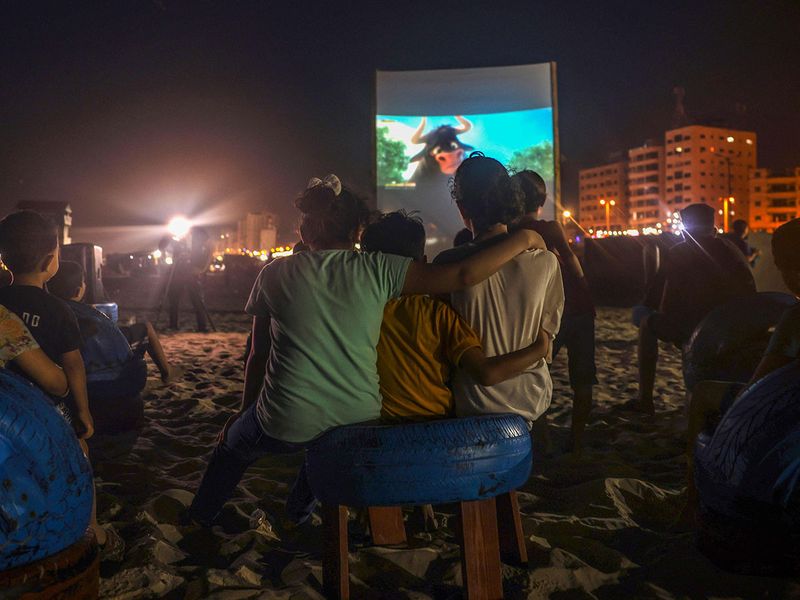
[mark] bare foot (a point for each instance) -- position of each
(175, 373)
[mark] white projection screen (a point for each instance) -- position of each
(427, 122)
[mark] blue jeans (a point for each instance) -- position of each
(245, 443)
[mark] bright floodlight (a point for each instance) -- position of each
(567, 214)
(178, 226)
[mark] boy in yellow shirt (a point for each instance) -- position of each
(423, 340)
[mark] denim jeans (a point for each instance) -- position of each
(245, 443)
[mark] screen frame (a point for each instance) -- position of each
(552, 65)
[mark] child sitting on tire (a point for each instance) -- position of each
(69, 284)
(708, 400)
(423, 340)
(29, 247)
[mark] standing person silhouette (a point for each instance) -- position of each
(191, 258)
(577, 323)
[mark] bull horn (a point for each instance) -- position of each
(416, 138)
(465, 125)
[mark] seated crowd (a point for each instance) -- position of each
(341, 336)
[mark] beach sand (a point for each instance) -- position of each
(596, 527)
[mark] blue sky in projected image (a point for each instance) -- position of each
(497, 135)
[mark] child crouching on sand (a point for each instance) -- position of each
(69, 284)
(423, 340)
(316, 323)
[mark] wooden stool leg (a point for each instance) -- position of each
(386, 525)
(335, 570)
(509, 530)
(480, 550)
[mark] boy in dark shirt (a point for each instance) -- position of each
(29, 248)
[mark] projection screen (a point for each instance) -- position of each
(427, 122)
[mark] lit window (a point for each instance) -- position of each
(749, 141)
(729, 138)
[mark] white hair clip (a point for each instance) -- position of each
(330, 181)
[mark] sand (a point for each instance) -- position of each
(596, 527)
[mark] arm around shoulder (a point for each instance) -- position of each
(445, 278)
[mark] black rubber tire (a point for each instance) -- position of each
(748, 477)
(431, 462)
(730, 340)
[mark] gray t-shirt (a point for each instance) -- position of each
(506, 311)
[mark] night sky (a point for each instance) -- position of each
(133, 111)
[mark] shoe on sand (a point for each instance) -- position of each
(114, 548)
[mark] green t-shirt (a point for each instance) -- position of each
(326, 310)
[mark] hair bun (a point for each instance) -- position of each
(316, 199)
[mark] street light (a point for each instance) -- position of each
(726, 213)
(729, 197)
(566, 215)
(608, 206)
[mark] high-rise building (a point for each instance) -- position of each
(707, 165)
(254, 228)
(774, 198)
(603, 201)
(646, 186)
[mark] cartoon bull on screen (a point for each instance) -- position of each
(443, 151)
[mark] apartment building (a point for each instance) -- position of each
(707, 164)
(603, 197)
(774, 198)
(646, 180)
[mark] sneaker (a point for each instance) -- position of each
(114, 548)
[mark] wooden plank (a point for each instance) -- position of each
(480, 550)
(335, 570)
(509, 530)
(386, 525)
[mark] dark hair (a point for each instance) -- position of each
(330, 219)
(462, 237)
(739, 226)
(396, 233)
(698, 218)
(786, 246)
(26, 237)
(66, 282)
(485, 192)
(533, 189)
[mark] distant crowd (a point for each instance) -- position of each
(382, 335)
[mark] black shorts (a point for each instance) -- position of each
(135, 334)
(577, 334)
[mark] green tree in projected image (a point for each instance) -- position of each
(537, 158)
(391, 156)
